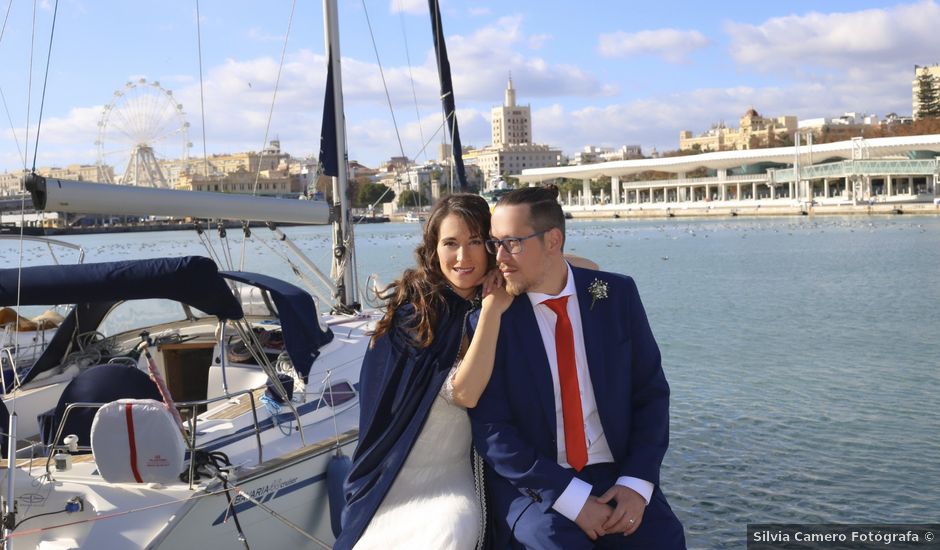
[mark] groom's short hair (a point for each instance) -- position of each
(544, 209)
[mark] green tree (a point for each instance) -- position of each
(927, 96)
(411, 199)
(372, 193)
(575, 186)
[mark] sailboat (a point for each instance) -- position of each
(23, 339)
(223, 425)
(267, 393)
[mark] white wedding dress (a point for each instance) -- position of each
(434, 502)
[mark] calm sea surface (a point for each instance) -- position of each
(803, 354)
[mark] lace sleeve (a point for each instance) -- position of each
(447, 390)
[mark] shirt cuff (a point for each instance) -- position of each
(572, 499)
(645, 488)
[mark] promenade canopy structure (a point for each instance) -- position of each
(853, 162)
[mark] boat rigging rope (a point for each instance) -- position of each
(206, 241)
(388, 97)
(29, 86)
(401, 148)
(214, 465)
(225, 491)
(414, 93)
(202, 101)
(5, 19)
(281, 518)
(224, 244)
(45, 82)
(277, 82)
(6, 108)
(19, 275)
(11, 439)
(38, 530)
(267, 127)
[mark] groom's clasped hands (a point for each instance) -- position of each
(597, 518)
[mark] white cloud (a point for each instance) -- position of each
(416, 7)
(537, 41)
(672, 45)
(869, 40)
(64, 140)
(479, 11)
(481, 63)
(656, 121)
(375, 138)
(258, 35)
(238, 94)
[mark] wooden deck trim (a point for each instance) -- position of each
(232, 411)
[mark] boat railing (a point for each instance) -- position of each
(6, 358)
(49, 242)
(193, 406)
(190, 406)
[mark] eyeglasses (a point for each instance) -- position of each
(513, 245)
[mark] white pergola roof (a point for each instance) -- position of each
(876, 148)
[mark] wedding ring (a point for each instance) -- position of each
(631, 521)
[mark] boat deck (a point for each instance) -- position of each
(231, 411)
(40, 461)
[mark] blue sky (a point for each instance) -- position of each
(595, 73)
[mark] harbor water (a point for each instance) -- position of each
(803, 353)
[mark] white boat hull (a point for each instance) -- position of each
(297, 490)
(290, 480)
(126, 516)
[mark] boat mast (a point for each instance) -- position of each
(447, 94)
(344, 259)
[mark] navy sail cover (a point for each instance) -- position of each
(298, 315)
(192, 280)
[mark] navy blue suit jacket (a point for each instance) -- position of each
(514, 425)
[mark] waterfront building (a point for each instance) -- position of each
(894, 119)
(276, 183)
(511, 123)
(847, 126)
(512, 149)
(11, 182)
(592, 153)
(265, 173)
(901, 169)
(753, 132)
(180, 172)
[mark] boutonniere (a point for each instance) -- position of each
(598, 291)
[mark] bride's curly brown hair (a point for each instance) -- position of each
(424, 285)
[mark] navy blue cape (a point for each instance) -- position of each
(398, 385)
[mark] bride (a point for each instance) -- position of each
(413, 483)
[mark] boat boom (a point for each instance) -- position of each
(81, 197)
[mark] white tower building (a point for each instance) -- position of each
(512, 124)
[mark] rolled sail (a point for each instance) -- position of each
(80, 197)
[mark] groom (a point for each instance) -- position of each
(575, 420)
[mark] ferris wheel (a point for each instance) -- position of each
(141, 119)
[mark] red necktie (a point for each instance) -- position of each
(573, 417)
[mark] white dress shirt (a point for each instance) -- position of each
(572, 499)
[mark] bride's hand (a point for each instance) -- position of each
(494, 292)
